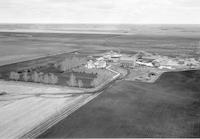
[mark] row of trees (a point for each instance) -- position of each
(14, 76)
(44, 78)
(73, 82)
(93, 71)
(99, 80)
(48, 78)
(68, 64)
(102, 75)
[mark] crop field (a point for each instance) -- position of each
(167, 108)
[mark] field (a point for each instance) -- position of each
(27, 106)
(167, 108)
(22, 46)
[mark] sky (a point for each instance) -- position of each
(101, 11)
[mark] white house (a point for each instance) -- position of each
(90, 64)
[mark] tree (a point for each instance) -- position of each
(14, 76)
(55, 65)
(35, 77)
(46, 79)
(53, 79)
(63, 66)
(25, 76)
(73, 62)
(80, 83)
(17, 76)
(72, 80)
(94, 83)
(40, 77)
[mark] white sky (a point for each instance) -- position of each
(100, 11)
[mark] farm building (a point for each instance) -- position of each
(166, 67)
(112, 56)
(90, 64)
(127, 61)
(145, 64)
(146, 60)
(97, 64)
(100, 64)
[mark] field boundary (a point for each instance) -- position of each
(38, 57)
(58, 117)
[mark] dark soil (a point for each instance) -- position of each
(168, 108)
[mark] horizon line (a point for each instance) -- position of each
(102, 23)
